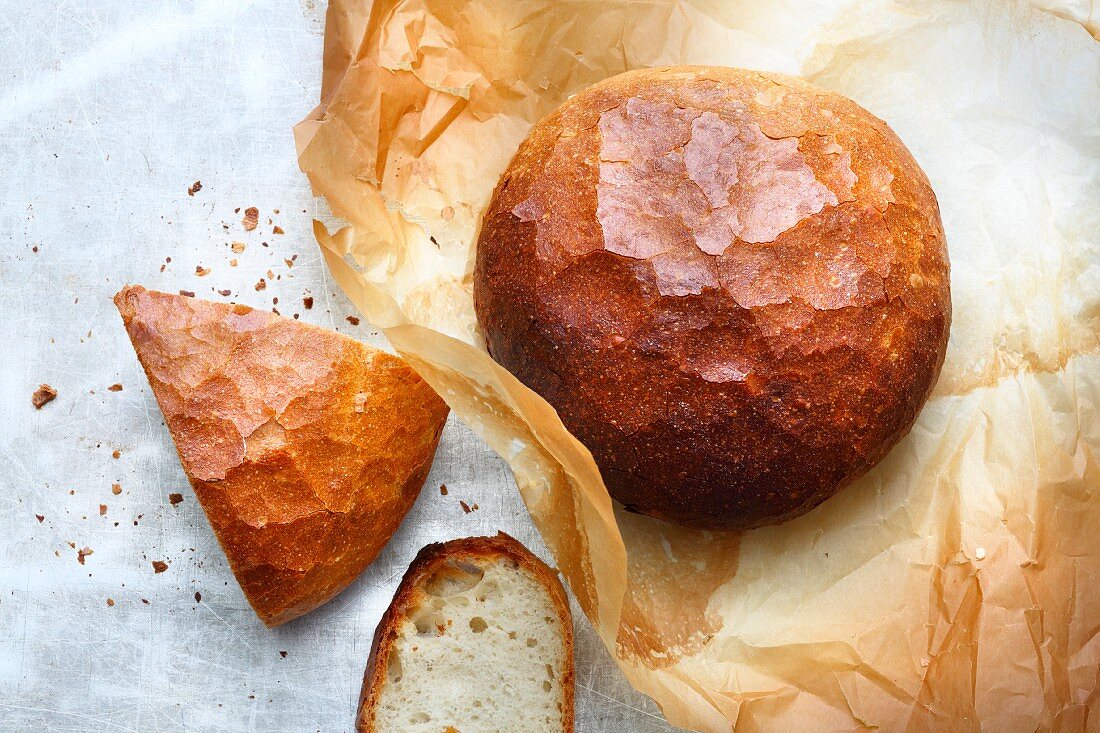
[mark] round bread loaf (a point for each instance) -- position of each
(732, 286)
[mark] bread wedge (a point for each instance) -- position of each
(305, 447)
(478, 639)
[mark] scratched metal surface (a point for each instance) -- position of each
(109, 110)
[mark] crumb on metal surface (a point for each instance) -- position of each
(43, 395)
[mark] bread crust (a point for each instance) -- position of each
(305, 447)
(410, 593)
(733, 287)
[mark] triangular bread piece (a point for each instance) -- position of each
(305, 447)
(478, 639)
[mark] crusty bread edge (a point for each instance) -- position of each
(136, 304)
(427, 560)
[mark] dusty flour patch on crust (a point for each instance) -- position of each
(673, 180)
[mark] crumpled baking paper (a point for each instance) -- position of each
(957, 585)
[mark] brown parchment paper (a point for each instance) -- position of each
(957, 585)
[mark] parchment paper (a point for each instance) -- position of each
(956, 586)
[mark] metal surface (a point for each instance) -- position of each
(109, 111)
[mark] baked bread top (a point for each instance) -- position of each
(733, 286)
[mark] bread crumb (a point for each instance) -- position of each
(261, 284)
(202, 271)
(277, 230)
(282, 654)
(110, 602)
(175, 498)
(43, 395)
(83, 553)
(198, 597)
(465, 507)
(289, 263)
(188, 293)
(238, 247)
(194, 188)
(116, 489)
(447, 213)
(353, 320)
(225, 293)
(40, 518)
(145, 601)
(102, 510)
(232, 263)
(979, 553)
(308, 302)
(115, 454)
(443, 489)
(159, 566)
(251, 218)
(116, 387)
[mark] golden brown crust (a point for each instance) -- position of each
(409, 594)
(305, 447)
(732, 286)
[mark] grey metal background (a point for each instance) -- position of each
(109, 110)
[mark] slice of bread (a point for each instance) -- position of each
(478, 639)
(305, 447)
